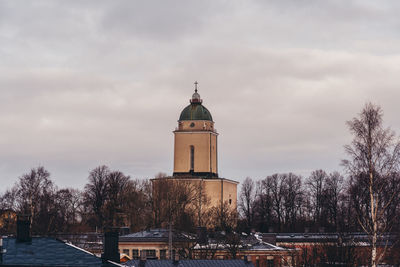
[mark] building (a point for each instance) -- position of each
(46, 251)
(154, 243)
(249, 247)
(351, 248)
(196, 158)
(24, 250)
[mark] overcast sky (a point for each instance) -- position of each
(85, 83)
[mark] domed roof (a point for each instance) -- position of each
(195, 111)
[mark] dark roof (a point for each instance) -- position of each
(46, 251)
(195, 111)
(89, 241)
(251, 242)
(354, 238)
(157, 235)
(264, 246)
(306, 237)
(192, 263)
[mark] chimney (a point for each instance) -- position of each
(176, 258)
(143, 258)
(110, 245)
(202, 235)
(124, 230)
(23, 228)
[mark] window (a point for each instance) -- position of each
(230, 201)
(163, 254)
(150, 254)
(125, 251)
(135, 254)
(191, 158)
(270, 263)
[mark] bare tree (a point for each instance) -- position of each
(223, 217)
(8, 201)
(139, 204)
(117, 184)
(374, 157)
(75, 205)
(277, 185)
(108, 195)
(201, 205)
(35, 192)
(316, 186)
(96, 192)
(63, 211)
(333, 196)
(392, 213)
(263, 206)
(292, 199)
(173, 202)
(246, 200)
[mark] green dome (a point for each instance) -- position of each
(195, 111)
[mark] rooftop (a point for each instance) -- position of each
(46, 251)
(192, 263)
(353, 238)
(252, 242)
(156, 235)
(195, 111)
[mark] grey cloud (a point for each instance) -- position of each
(88, 83)
(158, 20)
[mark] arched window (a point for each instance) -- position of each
(191, 158)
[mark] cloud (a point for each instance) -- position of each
(98, 82)
(157, 20)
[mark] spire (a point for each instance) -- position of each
(195, 97)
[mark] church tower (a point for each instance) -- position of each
(196, 167)
(195, 151)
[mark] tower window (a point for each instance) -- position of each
(191, 158)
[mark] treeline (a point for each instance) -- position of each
(321, 202)
(110, 198)
(278, 203)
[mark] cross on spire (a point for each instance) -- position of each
(195, 97)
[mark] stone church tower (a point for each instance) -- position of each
(195, 152)
(196, 159)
